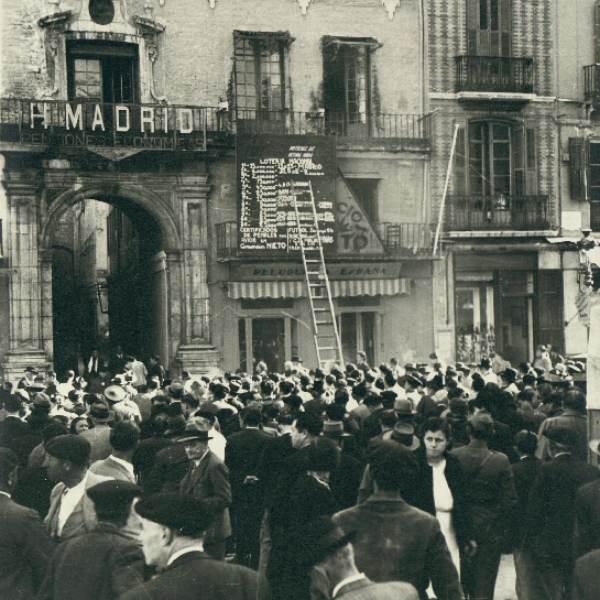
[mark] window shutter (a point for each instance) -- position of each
(472, 27)
(519, 152)
(460, 162)
(578, 163)
(593, 171)
(530, 163)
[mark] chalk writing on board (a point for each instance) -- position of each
(272, 170)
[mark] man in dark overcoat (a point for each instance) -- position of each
(25, 548)
(173, 531)
(208, 480)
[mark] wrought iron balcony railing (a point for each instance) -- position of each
(343, 125)
(494, 74)
(182, 127)
(403, 238)
(397, 238)
(591, 75)
(493, 213)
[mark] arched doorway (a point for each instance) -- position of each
(109, 281)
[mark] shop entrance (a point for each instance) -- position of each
(108, 283)
(357, 332)
(268, 343)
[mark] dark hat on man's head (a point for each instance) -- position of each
(176, 389)
(403, 406)
(323, 537)
(186, 514)
(31, 369)
(74, 448)
(42, 400)
(8, 463)
(509, 374)
(196, 429)
(100, 412)
(333, 429)
(373, 400)
(404, 433)
(175, 426)
(565, 436)
(412, 380)
(110, 494)
(485, 363)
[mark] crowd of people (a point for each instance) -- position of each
(391, 482)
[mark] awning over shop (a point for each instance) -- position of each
(296, 289)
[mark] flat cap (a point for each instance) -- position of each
(42, 400)
(100, 411)
(564, 436)
(186, 514)
(107, 494)
(73, 448)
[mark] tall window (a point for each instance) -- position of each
(259, 74)
(103, 72)
(347, 83)
(489, 27)
(501, 160)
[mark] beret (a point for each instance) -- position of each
(109, 493)
(563, 436)
(100, 411)
(73, 448)
(187, 514)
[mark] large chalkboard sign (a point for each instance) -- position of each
(269, 167)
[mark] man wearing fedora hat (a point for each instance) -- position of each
(330, 550)
(207, 479)
(173, 537)
(551, 513)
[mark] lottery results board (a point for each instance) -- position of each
(271, 169)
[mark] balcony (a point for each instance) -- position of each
(137, 127)
(404, 131)
(591, 75)
(399, 239)
(406, 238)
(498, 213)
(494, 79)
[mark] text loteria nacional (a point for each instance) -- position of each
(103, 124)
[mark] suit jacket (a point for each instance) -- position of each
(552, 509)
(171, 465)
(490, 489)
(11, 429)
(25, 551)
(83, 518)
(397, 542)
(110, 468)
(195, 575)
(365, 589)
(587, 518)
(524, 474)
(209, 481)
(586, 577)
(242, 455)
(98, 437)
(100, 565)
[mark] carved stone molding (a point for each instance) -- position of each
(391, 6)
(212, 3)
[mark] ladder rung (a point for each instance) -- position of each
(313, 260)
(321, 348)
(324, 323)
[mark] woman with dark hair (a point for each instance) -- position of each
(79, 425)
(441, 488)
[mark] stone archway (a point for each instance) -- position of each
(143, 320)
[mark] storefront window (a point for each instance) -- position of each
(476, 336)
(357, 331)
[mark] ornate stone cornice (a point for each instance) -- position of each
(148, 24)
(55, 20)
(304, 5)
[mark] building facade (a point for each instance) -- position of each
(137, 116)
(498, 73)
